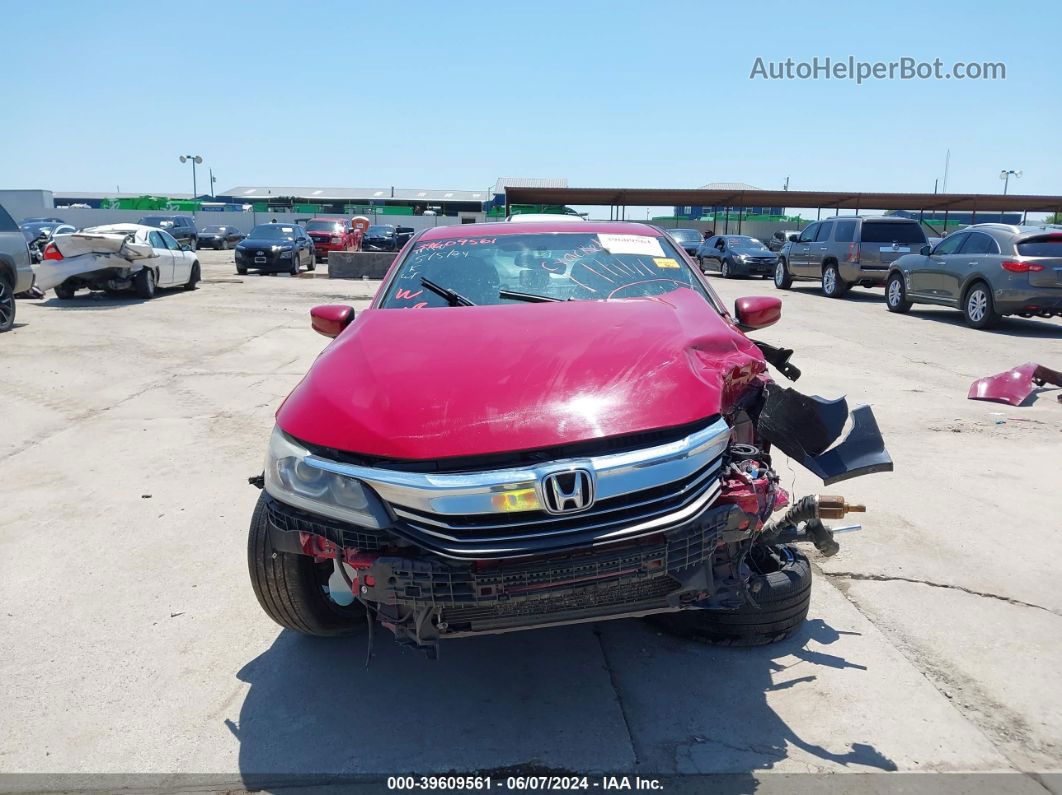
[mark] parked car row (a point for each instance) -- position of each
(986, 271)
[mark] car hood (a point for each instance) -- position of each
(444, 382)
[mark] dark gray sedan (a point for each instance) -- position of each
(219, 236)
(986, 271)
(736, 255)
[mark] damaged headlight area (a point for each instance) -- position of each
(292, 476)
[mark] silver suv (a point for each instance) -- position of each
(986, 271)
(847, 250)
(16, 274)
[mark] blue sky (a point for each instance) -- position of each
(449, 95)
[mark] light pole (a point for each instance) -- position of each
(196, 159)
(213, 179)
(1005, 176)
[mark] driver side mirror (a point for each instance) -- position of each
(185, 247)
(330, 319)
(794, 238)
(757, 311)
(924, 251)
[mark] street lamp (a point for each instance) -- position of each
(1005, 176)
(196, 160)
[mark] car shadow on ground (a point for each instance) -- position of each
(614, 697)
(101, 300)
(858, 295)
(1009, 326)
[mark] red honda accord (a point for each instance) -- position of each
(540, 424)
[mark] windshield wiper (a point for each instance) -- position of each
(453, 298)
(533, 298)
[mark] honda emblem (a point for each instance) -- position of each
(569, 491)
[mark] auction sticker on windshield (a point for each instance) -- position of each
(665, 262)
(631, 244)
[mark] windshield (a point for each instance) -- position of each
(379, 231)
(686, 235)
(154, 220)
(746, 243)
(33, 231)
(273, 232)
(324, 226)
(561, 266)
(209, 229)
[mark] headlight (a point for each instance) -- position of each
(285, 254)
(291, 477)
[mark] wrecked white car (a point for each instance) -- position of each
(114, 258)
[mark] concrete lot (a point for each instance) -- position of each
(130, 639)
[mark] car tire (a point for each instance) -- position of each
(219, 245)
(144, 283)
(63, 292)
(294, 266)
(978, 308)
(241, 271)
(313, 263)
(782, 591)
(833, 286)
(783, 279)
(724, 269)
(290, 589)
(193, 278)
(896, 294)
(7, 305)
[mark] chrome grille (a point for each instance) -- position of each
(633, 493)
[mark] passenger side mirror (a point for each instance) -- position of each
(924, 251)
(757, 311)
(794, 238)
(331, 319)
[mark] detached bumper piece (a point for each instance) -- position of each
(1014, 386)
(804, 428)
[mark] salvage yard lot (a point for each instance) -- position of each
(130, 638)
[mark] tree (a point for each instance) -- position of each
(1054, 218)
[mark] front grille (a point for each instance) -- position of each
(420, 582)
(655, 588)
(536, 532)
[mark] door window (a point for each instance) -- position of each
(156, 241)
(823, 233)
(950, 245)
(845, 231)
(979, 243)
(809, 234)
(171, 244)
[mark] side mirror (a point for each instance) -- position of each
(794, 238)
(185, 247)
(924, 251)
(331, 319)
(757, 311)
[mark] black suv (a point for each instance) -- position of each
(181, 227)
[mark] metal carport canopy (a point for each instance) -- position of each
(841, 200)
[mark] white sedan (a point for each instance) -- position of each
(117, 257)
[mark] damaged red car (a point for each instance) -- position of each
(543, 424)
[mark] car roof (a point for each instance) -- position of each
(892, 219)
(122, 227)
(530, 228)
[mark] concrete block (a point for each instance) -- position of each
(358, 264)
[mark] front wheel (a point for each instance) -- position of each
(783, 279)
(292, 589)
(896, 294)
(832, 284)
(7, 306)
(294, 266)
(193, 278)
(979, 309)
(780, 584)
(724, 269)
